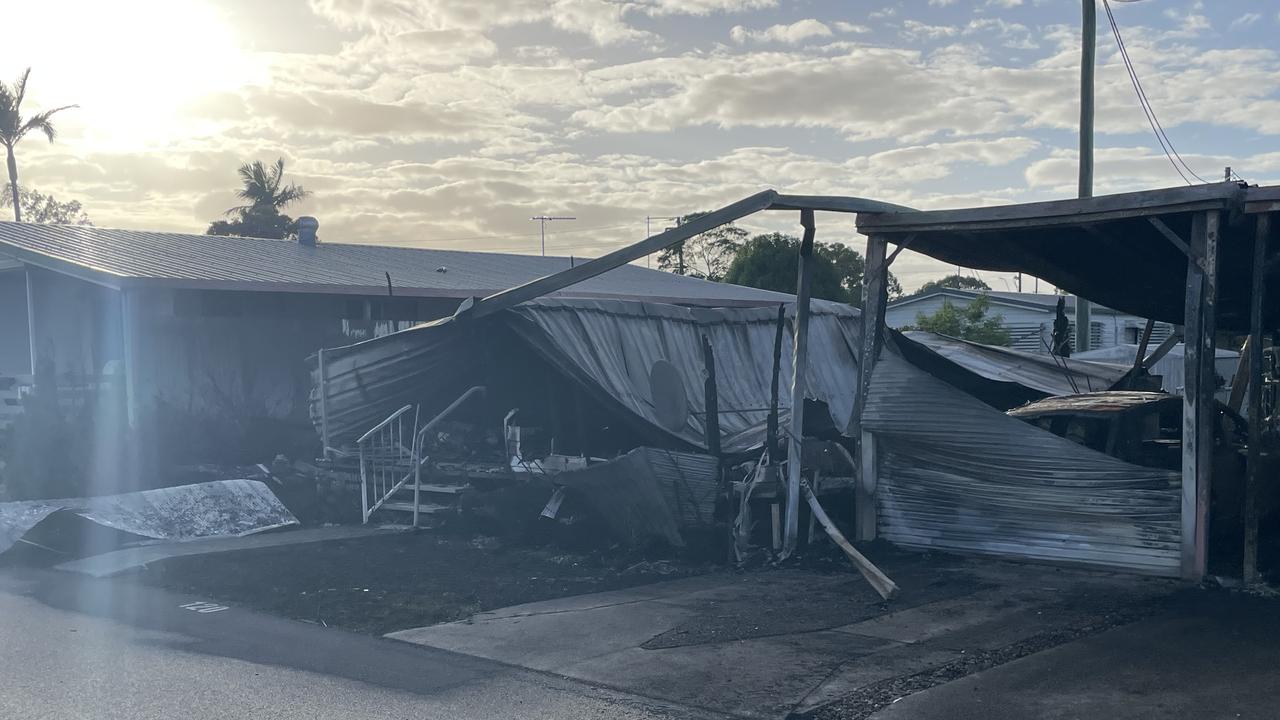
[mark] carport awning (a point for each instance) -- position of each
(1106, 249)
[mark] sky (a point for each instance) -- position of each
(449, 123)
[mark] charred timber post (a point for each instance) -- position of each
(711, 399)
(1198, 394)
(771, 426)
(1252, 483)
(875, 289)
(799, 366)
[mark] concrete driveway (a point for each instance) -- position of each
(775, 643)
(83, 648)
(1209, 655)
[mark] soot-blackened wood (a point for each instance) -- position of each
(875, 297)
(771, 427)
(711, 399)
(1253, 479)
(1198, 393)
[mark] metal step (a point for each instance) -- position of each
(444, 489)
(424, 508)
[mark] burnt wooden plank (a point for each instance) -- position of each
(1253, 481)
(1198, 399)
(875, 296)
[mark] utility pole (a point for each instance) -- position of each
(542, 220)
(649, 234)
(1088, 50)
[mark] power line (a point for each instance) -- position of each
(1162, 137)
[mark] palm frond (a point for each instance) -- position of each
(20, 89)
(42, 122)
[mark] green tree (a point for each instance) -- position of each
(44, 209)
(852, 267)
(770, 261)
(266, 193)
(14, 127)
(954, 281)
(970, 322)
(705, 256)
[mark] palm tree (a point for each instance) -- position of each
(13, 127)
(264, 187)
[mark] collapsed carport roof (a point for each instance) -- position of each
(1126, 251)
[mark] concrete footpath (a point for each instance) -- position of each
(1212, 655)
(770, 644)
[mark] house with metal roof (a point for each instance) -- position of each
(1028, 317)
(215, 331)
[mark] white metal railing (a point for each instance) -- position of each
(420, 444)
(387, 460)
(390, 458)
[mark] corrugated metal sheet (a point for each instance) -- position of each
(609, 346)
(955, 474)
(122, 257)
(1171, 368)
(183, 512)
(649, 492)
(1046, 373)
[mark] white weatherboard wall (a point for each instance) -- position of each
(1030, 327)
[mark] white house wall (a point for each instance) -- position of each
(1030, 328)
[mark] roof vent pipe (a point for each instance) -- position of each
(307, 227)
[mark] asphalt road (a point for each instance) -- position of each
(80, 648)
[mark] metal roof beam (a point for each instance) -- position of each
(767, 200)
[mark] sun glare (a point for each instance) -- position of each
(131, 66)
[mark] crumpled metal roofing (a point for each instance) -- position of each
(956, 474)
(1047, 373)
(130, 258)
(613, 344)
(183, 512)
(609, 346)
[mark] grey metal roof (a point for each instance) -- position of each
(1035, 301)
(131, 258)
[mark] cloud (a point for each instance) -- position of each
(1246, 20)
(604, 21)
(796, 32)
(1121, 169)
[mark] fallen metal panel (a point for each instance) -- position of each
(213, 509)
(958, 475)
(1040, 371)
(648, 493)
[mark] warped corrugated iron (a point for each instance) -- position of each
(1049, 374)
(955, 474)
(608, 346)
(649, 493)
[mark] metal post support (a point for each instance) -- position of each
(324, 402)
(799, 365)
